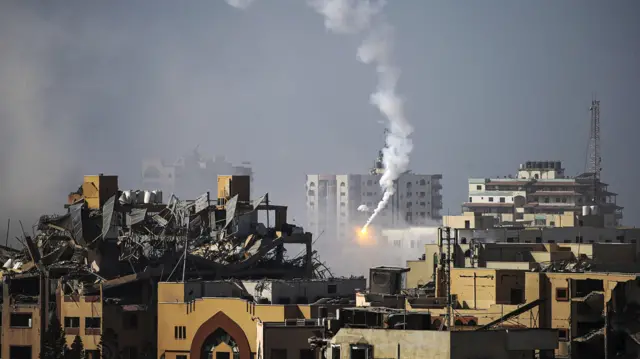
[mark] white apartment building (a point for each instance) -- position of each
(539, 191)
(333, 201)
(191, 175)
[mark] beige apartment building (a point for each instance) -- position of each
(538, 193)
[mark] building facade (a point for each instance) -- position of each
(333, 202)
(539, 190)
(189, 175)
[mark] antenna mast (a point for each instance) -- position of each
(594, 147)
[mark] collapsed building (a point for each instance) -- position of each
(98, 266)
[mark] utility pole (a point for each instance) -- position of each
(595, 161)
(447, 270)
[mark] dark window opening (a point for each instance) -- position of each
(562, 294)
(20, 320)
(361, 352)
(467, 224)
(538, 239)
(517, 296)
(180, 332)
(223, 355)
(20, 352)
(563, 335)
(92, 323)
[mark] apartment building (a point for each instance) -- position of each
(540, 189)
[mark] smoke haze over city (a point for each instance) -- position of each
(89, 88)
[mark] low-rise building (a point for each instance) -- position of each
(195, 318)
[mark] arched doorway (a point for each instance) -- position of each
(220, 334)
(220, 345)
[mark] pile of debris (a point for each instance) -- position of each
(106, 235)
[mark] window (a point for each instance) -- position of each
(343, 194)
(563, 334)
(332, 288)
(342, 204)
(311, 193)
(342, 184)
(564, 200)
(502, 200)
(408, 184)
(180, 332)
(422, 194)
(490, 199)
(92, 322)
(467, 224)
(422, 182)
(546, 200)
(20, 320)
(538, 239)
(422, 204)
(562, 294)
(409, 204)
(557, 199)
(479, 188)
(71, 322)
(579, 239)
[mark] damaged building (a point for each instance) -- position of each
(119, 265)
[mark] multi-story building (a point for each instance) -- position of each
(538, 190)
(189, 174)
(333, 201)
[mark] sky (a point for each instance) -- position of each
(95, 87)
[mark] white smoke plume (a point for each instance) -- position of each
(364, 16)
(240, 4)
(355, 16)
(364, 208)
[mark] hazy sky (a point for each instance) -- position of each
(89, 87)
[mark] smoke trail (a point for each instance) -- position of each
(240, 4)
(363, 16)
(354, 16)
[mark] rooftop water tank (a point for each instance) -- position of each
(586, 210)
(148, 197)
(594, 209)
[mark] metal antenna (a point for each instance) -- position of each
(594, 147)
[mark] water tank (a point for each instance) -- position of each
(594, 209)
(137, 197)
(586, 210)
(148, 197)
(157, 196)
(528, 164)
(521, 166)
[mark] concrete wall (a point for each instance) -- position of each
(387, 343)
(442, 344)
